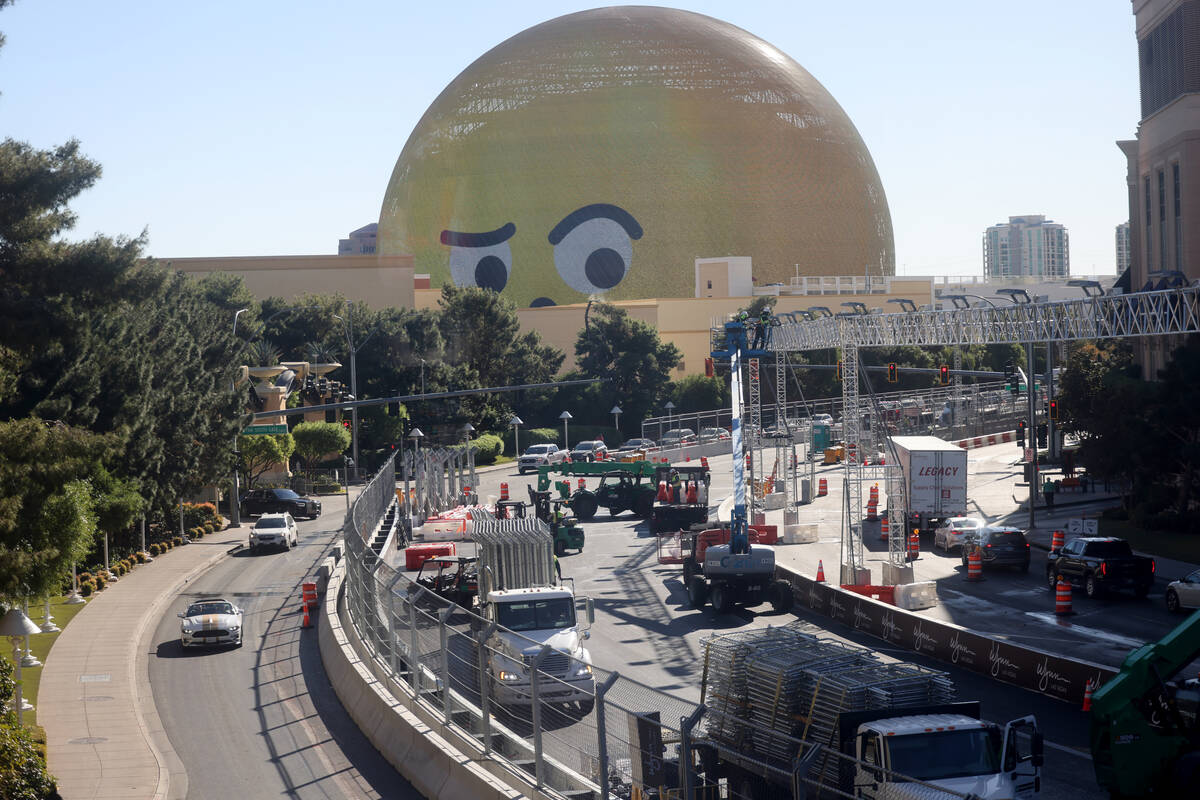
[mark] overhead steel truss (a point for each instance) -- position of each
(1159, 313)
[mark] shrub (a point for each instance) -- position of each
(101, 581)
(120, 568)
(176, 541)
(199, 513)
(325, 485)
(140, 555)
(210, 527)
(487, 447)
(87, 588)
(84, 576)
(541, 436)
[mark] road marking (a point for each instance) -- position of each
(1094, 633)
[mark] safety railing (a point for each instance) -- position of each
(572, 726)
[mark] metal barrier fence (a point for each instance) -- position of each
(616, 739)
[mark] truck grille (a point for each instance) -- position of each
(555, 664)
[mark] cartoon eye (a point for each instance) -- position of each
(592, 247)
(480, 259)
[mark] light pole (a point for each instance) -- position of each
(235, 511)
(566, 415)
(416, 437)
(516, 422)
(1020, 297)
(616, 412)
(422, 376)
(670, 407)
(16, 625)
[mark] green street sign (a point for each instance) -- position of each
(263, 430)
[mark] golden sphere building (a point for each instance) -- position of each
(597, 155)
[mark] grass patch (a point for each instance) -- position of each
(1164, 544)
(40, 644)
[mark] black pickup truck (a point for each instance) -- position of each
(1098, 564)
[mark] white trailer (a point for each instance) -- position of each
(935, 480)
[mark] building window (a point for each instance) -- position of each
(1162, 220)
(1149, 228)
(710, 284)
(1178, 219)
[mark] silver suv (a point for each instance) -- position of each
(539, 455)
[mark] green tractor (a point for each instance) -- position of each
(568, 535)
(619, 490)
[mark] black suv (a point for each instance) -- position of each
(279, 501)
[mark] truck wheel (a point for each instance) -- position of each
(780, 595)
(1051, 578)
(585, 506)
(689, 569)
(722, 598)
(697, 592)
(560, 547)
(1092, 587)
(586, 706)
(643, 505)
(1172, 601)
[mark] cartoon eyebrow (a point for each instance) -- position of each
(582, 215)
(460, 239)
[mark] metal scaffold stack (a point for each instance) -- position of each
(514, 553)
(796, 682)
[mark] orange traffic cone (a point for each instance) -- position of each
(704, 462)
(914, 545)
(822, 488)
(662, 495)
(582, 484)
(504, 491)
(1087, 696)
(974, 565)
(1062, 598)
(692, 494)
(883, 529)
(1057, 540)
(820, 571)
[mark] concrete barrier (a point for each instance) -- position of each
(915, 596)
(417, 750)
(801, 533)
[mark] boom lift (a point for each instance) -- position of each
(1145, 728)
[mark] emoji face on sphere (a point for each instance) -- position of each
(599, 154)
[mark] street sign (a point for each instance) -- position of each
(1028, 455)
(1086, 527)
(263, 430)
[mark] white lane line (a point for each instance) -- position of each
(1093, 633)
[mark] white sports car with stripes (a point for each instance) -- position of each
(211, 621)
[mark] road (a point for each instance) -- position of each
(261, 721)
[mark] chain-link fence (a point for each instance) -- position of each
(575, 728)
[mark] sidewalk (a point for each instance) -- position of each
(103, 736)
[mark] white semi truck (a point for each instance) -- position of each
(519, 590)
(935, 480)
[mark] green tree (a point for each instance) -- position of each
(48, 502)
(629, 355)
(260, 452)
(698, 393)
(315, 440)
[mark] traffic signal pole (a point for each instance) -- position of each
(1030, 383)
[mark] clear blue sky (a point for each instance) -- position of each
(271, 128)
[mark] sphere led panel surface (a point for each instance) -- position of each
(598, 154)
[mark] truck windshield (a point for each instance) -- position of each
(949, 754)
(536, 615)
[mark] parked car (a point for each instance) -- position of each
(212, 621)
(713, 435)
(1184, 593)
(274, 530)
(539, 455)
(279, 501)
(678, 437)
(588, 450)
(1099, 564)
(822, 419)
(998, 547)
(638, 444)
(951, 534)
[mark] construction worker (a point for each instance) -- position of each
(1048, 489)
(557, 569)
(676, 483)
(762, 330)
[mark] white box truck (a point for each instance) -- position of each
(935, 480)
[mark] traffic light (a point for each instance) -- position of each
(331, 415)
(394, 408)
(709, 370)
(1053, 409)
(944, 375)
(1021, 432)
(1041, 435)
(893, 377)
(348, 425)
(839, 369)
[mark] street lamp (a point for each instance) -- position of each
(1020, 297)
(416, 436)
(16, 625)
(468, 429)
(516, 422)
(422, 376)
(906, 305)
(960, 300)
(669, 407)
(616, 412)
(566, 415)
(1090, 288)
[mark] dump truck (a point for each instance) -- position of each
(521, 592)
(1146, 721)
(793, 712)
(935, 480)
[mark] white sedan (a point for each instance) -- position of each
(213, 621)
(274, 530)
(954, 531)
(1184, 593)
